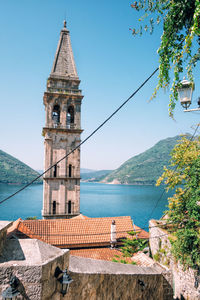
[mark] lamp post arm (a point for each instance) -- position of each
(192, 109)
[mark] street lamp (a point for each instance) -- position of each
(185, 90)
(12, 291)
(185, 93)
(64, 278)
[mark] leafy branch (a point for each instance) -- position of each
(180, 40)
(184, 209)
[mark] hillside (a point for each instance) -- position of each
(83, 170)
(13, 170)
(94, 176)
(146, 167)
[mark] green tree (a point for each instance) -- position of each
(183, 176)
(131, 245)
(180, 39)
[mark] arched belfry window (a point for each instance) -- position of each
(70, 115)
(56, 115)
(68, 120)
(70, 170)
(54, 207)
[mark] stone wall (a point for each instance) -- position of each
(33, 263)
(159, 244)
(185, 282)
(92, 279)
(4, 225)
(100, 280)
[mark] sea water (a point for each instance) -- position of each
(96, 200)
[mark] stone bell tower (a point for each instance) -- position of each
(62, 100)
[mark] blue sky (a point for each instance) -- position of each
(111, 64)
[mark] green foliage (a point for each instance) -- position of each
(130, 246)
(133, 245)
(179, 42)
(123, 261)
(115, 260)
(31, 218)
(14, 171)
(94, 176)
(157, 256)
(146, 167)
(184, 210)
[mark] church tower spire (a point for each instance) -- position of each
(62, 100)
(64, 65)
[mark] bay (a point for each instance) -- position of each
(97, 200)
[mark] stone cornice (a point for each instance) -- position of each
(62, 130)
(62, 95)
(62, 178)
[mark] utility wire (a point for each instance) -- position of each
(80, 235)
(87, 138)
(137, 232)
(132, 230)
(49, 235)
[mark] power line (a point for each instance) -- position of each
(46, 234)
(87, 138)
(49, 235)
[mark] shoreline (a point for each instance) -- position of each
(113, 183)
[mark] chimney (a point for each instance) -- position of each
(113, 239)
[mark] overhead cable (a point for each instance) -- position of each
(87, 138)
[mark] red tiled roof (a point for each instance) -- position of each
(142, 259)
(78, 233)
(12, 229)
(109, 254)
(101, 254)
(80, 217)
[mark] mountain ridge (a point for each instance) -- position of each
(146, 167)
(14, 171)
(141, 169)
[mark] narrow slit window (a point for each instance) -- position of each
(55, 171)
(70, 170)
(54, 207)
(69, 207)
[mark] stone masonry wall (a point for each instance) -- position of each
(33, 263)
(37, 282)
(100, 280)
(185, 282)
(113, 287)
(3, 233)
(93, 280)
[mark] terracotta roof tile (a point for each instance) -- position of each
(80, 217)
(142, 259)
(101, 254)
(14, 226)
(109, 254)
(76, 233)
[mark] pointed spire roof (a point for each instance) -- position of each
(64, 65)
